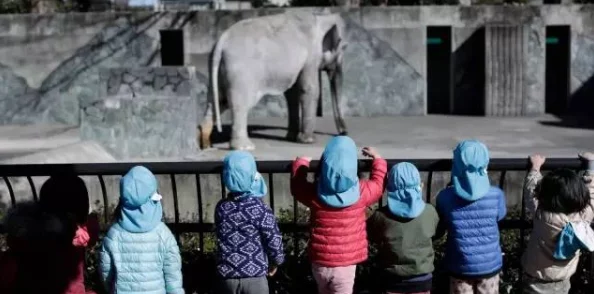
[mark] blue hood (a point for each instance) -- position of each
(139, 212)
(338, 183)
(241, 176)
(469, 170)
(405, 197)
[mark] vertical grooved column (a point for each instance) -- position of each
(505, 48)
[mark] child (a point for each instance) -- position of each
(403, 230)
(38, 241)
(248, 240)
(51, 248)
(338, 201)
(68, 195)
(558, 203)
(139, 254)
(470, 210)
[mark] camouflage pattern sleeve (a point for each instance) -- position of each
(530, 202)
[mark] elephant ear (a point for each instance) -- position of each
(332, 42)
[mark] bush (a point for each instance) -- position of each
(295, 275)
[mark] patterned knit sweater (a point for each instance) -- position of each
(247, 238)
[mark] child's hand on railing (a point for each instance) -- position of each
(370, 152)
(588, 159)
(306, 158)
(536, 162)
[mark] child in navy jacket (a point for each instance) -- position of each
(249, 244)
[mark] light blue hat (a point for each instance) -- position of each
(141, 205)
(338, 183)
(574, 237)
(241, 176)
(469, 170)
(405, 198)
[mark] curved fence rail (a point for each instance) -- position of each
(269, 168)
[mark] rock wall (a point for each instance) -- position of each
(143, 112)
(50, 63)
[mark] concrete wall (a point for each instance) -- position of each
(48, 63)
(143, 112)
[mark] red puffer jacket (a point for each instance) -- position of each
(338, 236)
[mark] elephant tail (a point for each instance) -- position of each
(214, 75)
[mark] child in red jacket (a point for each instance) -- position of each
(338, 201)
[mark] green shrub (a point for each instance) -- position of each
(295, 275)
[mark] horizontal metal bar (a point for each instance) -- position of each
(215, 167)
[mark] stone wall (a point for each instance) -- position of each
(49, 63)
(143, 112)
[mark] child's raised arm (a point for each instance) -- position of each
(303, 190)
(373, 189)
(530, 182)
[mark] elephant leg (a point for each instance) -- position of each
(240, 111)
(308, 96)
(292, 97)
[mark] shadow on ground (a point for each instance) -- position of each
(256, 132)
(573, 122)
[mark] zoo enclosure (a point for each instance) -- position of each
(266, 168)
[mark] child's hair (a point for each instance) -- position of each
(65, 194)
(562, 191)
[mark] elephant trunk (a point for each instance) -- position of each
(335, 78)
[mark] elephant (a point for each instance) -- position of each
(280, 54)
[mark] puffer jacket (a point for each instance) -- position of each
(538, 261)
(472, 247)
(44, 248)
(146, 263)
(338, 235)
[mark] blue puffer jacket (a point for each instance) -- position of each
(139, 253)
(472, 247)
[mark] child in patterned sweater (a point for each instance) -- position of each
(249, 244)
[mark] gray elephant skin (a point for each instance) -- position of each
(274, 55)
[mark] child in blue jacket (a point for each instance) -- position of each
(249, 244)
(139, 254)
(470, 209)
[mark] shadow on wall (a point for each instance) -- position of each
(580, 110)
(123, 41)
(469, 76)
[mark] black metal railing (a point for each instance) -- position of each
(265, 167)
(269, 168)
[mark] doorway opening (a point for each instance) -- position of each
(469, 75)
(172, 47)
(557, 75)
(439, 69)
